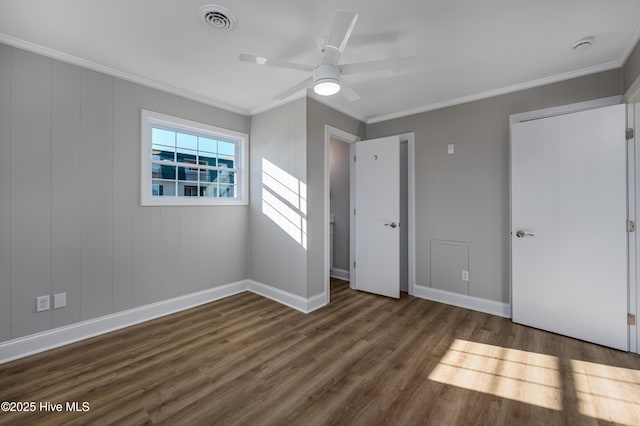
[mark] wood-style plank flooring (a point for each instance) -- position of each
(362, 360)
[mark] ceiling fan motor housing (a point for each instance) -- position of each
(326, 72)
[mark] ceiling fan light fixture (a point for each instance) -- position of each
(326, 80)
(326, 87)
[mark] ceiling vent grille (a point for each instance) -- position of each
(583, 42)
(218, 17)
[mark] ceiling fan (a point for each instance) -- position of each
(326, 77)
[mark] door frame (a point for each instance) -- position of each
(632, 243)
(329, 132)
(632, 97)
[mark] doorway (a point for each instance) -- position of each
(339, 205)
(341, 139)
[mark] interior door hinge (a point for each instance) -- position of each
(354, 264)
(631, 319)
(631, 226)
(354, 158)
(629, 133)
(354, 212)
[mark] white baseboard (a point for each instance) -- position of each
(40, 342)
(32, 344)
(469, 302)
(341, 274)
(316, 302)
(291, 300)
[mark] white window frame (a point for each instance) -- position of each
(151, 118)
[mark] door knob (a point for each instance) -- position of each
(392, 224)
(522, 234)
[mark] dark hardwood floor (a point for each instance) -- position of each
(362, 360)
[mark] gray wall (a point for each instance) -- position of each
(70, 214)
(318, 115)
(465, 197)
(279, 136)
(340, 197)
(631, 68)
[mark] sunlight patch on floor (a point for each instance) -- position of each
(523, 376)
(606, 392)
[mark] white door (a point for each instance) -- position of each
(377, 216)
(568, 216)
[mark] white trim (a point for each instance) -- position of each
(633, 112)
(275, 104)
(565, 109)
(411, 201)
(497, 92)
(291, 300)
(463, 301)
(307, 93)
(632, 242)
(50, 339)
(349, 138)
(134, 78)
(35, 343)
(341, 274)
(149, 118)
(316, 302)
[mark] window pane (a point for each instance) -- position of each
(190, 191)
(207, 159)
(207, 175)
(226, 177)
(228, 162)
(163, 153)
(207, 145)
(187, 141)
(191, 162)
(163, 188)
(163, 137)
(227, 191)
(185, 156)
(188, 174)
(209, 190)
(227, 148)
(159, 171)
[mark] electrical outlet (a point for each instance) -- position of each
(465, 275)
(43, 303)
(450, 148)
(59, 300)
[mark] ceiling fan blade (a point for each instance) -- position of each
(260, 60)
(348, 92)
(341, 29)
(395, 65)
(302, 85)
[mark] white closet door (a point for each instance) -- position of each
(568, 212)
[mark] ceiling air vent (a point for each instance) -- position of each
(218, 17)
(583, 42)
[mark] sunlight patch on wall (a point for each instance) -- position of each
(284, 201)
(606, 392)
(528, 377)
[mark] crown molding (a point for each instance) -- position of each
(501, 91)
(113, 72)
(275, 104)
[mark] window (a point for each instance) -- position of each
(189, 163)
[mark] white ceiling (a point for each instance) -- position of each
(466, 49)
